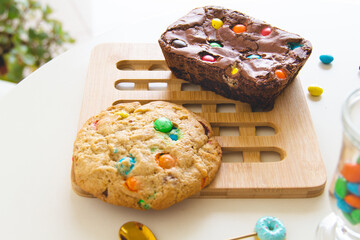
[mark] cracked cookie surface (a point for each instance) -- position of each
(121, 157)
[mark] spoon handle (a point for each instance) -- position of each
(245, 236)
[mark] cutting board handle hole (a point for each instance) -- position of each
(190, 87)
(157, 86)
(270, 156)
(225, 108)
(229, 131)
(193, 107)
(264, 131)
(158, 67)
(232, 157)
(125, 86)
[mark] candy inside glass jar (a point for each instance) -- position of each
(344, 189)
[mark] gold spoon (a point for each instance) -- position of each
(135, 231)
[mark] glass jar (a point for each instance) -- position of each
(344, 222)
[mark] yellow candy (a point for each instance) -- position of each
(123, 114)
(234, 71)
(315, 91)
(216, 23)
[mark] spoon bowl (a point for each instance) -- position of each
(135, 231)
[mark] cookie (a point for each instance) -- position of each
(145, 156)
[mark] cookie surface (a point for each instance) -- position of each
(145, 156)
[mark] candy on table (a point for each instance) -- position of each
(326, 59)
(163, 124)
(216, 23)
(267, 228)
(315, 90)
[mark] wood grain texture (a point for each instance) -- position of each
(299, 172)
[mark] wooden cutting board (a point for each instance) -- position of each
(283, 163)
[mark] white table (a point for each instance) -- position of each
(39, 117)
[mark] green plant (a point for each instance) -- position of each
(28, 38)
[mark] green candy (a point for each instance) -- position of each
(215, 44)
(340, 187)
(355, 215)
(349, 218)
(143, 204)
(163, 125)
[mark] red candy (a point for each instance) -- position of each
(266, 31)
(351, 172)
(352, 200)
(208, 58)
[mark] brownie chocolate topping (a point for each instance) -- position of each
(256, 54)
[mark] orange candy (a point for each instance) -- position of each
(351, 172)
(239, 28)
(203, 182)
(352, 200)
(280, 74)
(165, 161)
(132, 184)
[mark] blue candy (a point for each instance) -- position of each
(292, 45)
(254, 56)
(353, 188)
(125, 169)
(326, 59)
(343, 206)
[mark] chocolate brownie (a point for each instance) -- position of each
(145, 156)
(234, 55)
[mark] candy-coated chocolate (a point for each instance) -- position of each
(254, 56)
(239, 28)
(353, 188)
(215, 44)
(315, 91)
(143, 204)
(358, 160)
(355, 215)
(174, 134)
(163, 124)
(174, 137)
(208, 58)
(234, 71)
(166, 161)
(352, 200)
(326, 59)
(266, 31)
(351, 172)
(340, 187)
(270, 228)
(178, 43)
(132, 184)
(343, 206)
(216, 23)
(280, 73)
(125, 165)
(115, 150)
(203, 182)
(122, 114)
(293, 45)
(349, 218)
